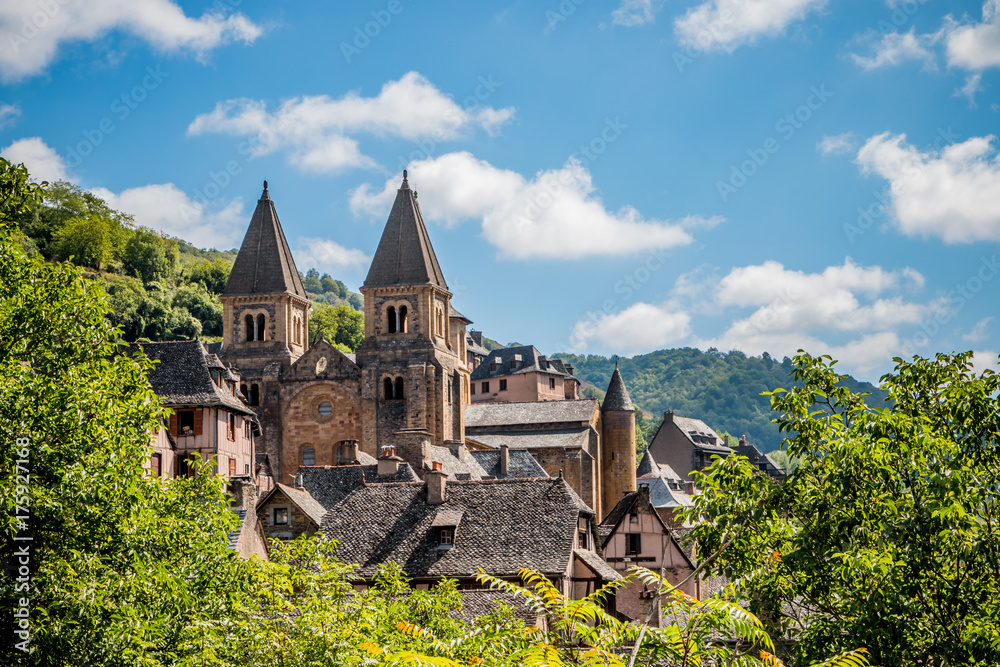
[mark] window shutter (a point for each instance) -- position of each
(173, 424)
(197, 421)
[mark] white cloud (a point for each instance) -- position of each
(9, 114)
(640, 328)
(556, 214)
(633, 13)
(985, 359)
(329, 256)
(728, 24)
(34, 32)
(977, 45)
(951, 194)
(166, 208)
(315, 130)
(42, 161)
(978, 332)
(894, 48)
(973, 85)
(838, 144)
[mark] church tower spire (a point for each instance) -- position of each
(415, 379)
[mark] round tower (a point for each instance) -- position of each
(617, 443)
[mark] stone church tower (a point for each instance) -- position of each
(414, 376)
(618, 443)
(265, 317)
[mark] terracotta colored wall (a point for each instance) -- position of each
(303, 426)
(671, 447)
(618, 456)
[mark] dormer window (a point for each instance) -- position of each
(583, 541)
(446, 537)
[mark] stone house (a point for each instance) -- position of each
(633, 534)
(209, 418)
(686, 444)
(519, 374)
(758, 459)
(475, 352)
(440, 529)
(668, 493)
(287, 512)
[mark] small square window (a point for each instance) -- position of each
(280, 516)
(185, 422)
(472, 386)
(486, 387)
(513, 363)
(633, 544)
(503, 385)
(446, 538)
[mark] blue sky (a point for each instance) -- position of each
(597, 177)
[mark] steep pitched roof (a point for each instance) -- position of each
(264, 264)
(519, 464)
(301, 498)
(405, 255)
(480, 415)
(331, 484)
(526, 358)
(182, 377)
(579, 437)
(616, 397)
(506, 525)
(464, 468)
(758, 459)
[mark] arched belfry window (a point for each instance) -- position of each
(248, 325)
(308, 456)
(261, 321)
(399, 388)
(388, 389)
(390, 319)
(392, 390)
(403, 323)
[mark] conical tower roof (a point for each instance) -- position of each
(264, 264)
(405, 255)
(617, 396)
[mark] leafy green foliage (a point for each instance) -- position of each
(341, 325)
(149, 257)
(723, 390)
(885, 535)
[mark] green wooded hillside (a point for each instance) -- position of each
(722, 389)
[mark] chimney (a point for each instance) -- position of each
(668, 416)
(457, 449)
(689, 488)
(477, 336)
(244, 493)
(349, 452)
(569, 368)
(743, 440)
(435, 479)
(388, 463)
(643, 500)
(504, 460)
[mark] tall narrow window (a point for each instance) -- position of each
(403, 324)
(503, 385)
(387, 386)
(232, 467)
(486, 387)
(633, 544)
(248, 325)
(308, 456)
(155, 463)
(261, 321)
(399, 388)
(254, 395)
(231, 430)
(390, 319)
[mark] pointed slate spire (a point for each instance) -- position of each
(617, 396)
(264, 264)
(405, 255)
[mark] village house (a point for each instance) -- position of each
(668, 493)
(519, 374)
(440, 528)
(758, 459)
(634, 535)
(686, 444)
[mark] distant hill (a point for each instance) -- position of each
(721, 389)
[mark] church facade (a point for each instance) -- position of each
(406, 387)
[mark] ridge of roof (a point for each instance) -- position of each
(405, 255)
(264, 264)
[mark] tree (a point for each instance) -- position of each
(211, 275)
(202, 306)
(148, 256)
(312, 282)
(91, 240)
(885, 535)
(341, 325)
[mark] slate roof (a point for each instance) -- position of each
(233, 536)
(264, 264)
(614, 518)
(694, 428)
(405, 255)
(534, 439)
(455, 315)
(598, 565)
(527, 359)
(465, 468)
(480, 415)
(182, 377)
(666, 488)
(617, 397)
(758, 459)
(331, 484)
(305, 502)
(478, 603)
(472, 346)
(520, 464)
(506, 525)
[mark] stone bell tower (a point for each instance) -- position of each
(414, 377)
